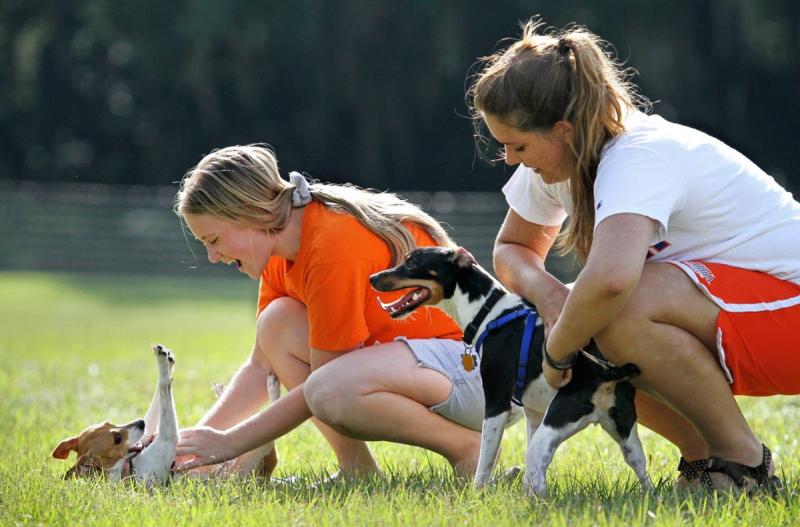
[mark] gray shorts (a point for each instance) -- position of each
(465, 405)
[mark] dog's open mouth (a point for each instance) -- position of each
(140, 445)
(408, 303)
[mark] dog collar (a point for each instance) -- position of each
(472, 328)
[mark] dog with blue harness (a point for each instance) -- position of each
(505, 336)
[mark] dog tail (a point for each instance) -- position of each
(620, 373)
(273, 388)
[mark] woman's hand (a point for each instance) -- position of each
(556, 378)
(204, 445)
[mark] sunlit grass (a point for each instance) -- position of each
(76, 350)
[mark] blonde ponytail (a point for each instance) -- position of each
(242, 184)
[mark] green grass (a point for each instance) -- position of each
(76, 350)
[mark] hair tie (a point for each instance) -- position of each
(301, 195)
(564, 46)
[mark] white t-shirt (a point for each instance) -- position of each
(711, 202)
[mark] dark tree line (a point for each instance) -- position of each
(368, 91)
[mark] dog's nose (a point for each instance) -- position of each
(139, 424)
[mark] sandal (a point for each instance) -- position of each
(692, 471)
(746, 478)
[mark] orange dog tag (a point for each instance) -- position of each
(468, 361)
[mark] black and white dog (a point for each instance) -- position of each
(451, 279)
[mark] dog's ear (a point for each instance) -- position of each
(65, 447)
(464, 258)
(85, 466)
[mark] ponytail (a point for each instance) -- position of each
(550, 76)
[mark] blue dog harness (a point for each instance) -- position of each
(531, 317)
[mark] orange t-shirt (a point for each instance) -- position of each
(330, 276)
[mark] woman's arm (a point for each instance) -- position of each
(519, 254)
(615, 263)
(243, 395)
(208, 445)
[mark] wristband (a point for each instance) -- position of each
(561, 366)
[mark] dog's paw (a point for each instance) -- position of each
(162, 351)
(165, 359)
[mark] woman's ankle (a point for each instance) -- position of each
(466, 462)
(359, 468)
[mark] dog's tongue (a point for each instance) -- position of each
(410, 298)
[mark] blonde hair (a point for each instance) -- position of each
(550, 76)
(241, 184)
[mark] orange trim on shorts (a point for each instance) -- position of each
(758, 329)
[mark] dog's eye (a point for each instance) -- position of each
(117, 438)
(411, 266)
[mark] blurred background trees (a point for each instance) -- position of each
(365, 91)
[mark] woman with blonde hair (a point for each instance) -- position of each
(362, 375)
(691, 252)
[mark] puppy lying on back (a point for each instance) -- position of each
(118, 450)
(145, 449)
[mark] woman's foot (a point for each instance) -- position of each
(731, 476)
(690, 473)
(722, 475)
(342, 477)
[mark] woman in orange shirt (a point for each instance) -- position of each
(360, 375)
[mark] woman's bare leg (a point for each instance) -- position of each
(668, 329)
(666, 422)
(382, 393)
(282, 342)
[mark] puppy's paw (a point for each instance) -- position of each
(162, 351)
(166, 360)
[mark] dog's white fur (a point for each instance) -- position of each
(154, 463)
(542, 440)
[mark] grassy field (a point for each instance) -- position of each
(76, 350)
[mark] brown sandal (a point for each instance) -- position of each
(746, 478)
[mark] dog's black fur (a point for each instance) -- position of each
(451, 280)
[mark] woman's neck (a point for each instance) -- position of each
(289, 237)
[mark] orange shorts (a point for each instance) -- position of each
(758, 329)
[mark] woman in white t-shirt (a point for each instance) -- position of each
(720, 318)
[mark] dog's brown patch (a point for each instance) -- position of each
(604, 397)
(99, 447)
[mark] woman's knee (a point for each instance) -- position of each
(664, 298)
(281, 326)
(330, 396)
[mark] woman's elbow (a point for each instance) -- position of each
(614, 283)
(503, 268)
